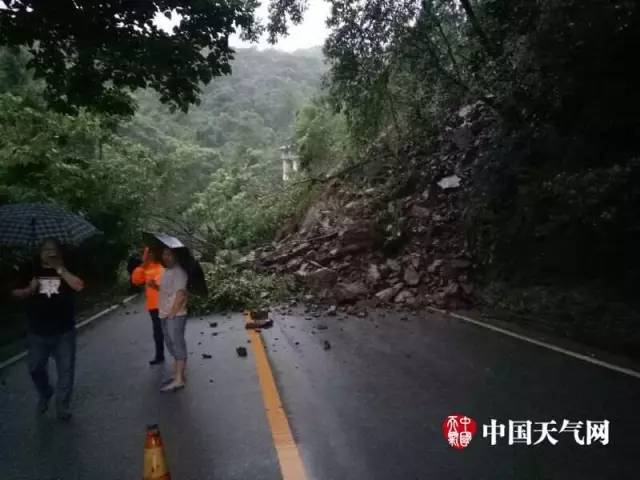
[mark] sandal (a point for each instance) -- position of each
(172, 387)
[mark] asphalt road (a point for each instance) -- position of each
(370, 407)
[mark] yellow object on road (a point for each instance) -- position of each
(289, 458)
(155, 463)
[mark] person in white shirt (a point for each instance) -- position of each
(172, 306)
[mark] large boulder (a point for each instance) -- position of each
(394, 265)
(404, 296)
(450, 182)
(350, 292)
(411, 277)
(294, 263)
(320, 279)
(389, 294)
(373, 274)
(435, 266)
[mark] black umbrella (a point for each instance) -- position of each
(29, 224)
(196, 282)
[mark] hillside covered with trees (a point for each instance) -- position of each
(478, 154)
(157, 169)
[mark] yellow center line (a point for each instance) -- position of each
(286, 448)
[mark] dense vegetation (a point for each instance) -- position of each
(550, 200)
(551, 197)
(559, 183)
(227, 186)
(213, 176)
(94, 54)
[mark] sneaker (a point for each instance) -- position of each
(156, 361)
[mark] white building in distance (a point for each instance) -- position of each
(290, 161)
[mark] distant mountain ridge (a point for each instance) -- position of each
(254, 107)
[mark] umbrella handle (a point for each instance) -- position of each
(33, 230)
(33, 241)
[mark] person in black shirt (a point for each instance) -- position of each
(49, 295)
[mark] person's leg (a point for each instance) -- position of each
(167, 338)
(65, 356)
(169, 344)
(158, 337)
(176, 329)
(39, 351)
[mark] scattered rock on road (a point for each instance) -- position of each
(206, 356)
(241, 351)
(259, 324)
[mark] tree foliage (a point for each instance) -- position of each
(322, 137)
(554, 196)
(77, 161)
(232, 138)
(92, 53)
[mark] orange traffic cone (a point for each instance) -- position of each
(155, 464)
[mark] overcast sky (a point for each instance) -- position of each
(312, 32)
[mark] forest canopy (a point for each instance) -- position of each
(124, 173)
(94, 53)
(531, 105)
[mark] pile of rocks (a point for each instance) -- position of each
(340, 250)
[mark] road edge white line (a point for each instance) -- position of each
(540, 343)
(84, 323)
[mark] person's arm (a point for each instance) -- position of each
(27, 291)
(179, 303)
(74, 282)
(180, 300)
(138, 276)
(154, 281)
(70, 279)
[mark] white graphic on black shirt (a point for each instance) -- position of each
(49, 286)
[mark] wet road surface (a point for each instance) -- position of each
(369, 407)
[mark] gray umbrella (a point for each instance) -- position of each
(29, 224)
(197, 283)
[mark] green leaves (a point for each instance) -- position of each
(322, 137)
(235, 288)
(78, 162)
(93, 54)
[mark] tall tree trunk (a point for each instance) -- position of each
(491, 49)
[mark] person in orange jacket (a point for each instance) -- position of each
(149, 275)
